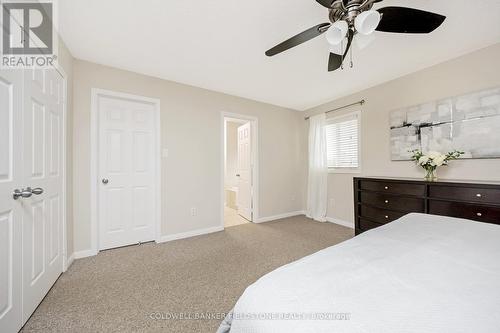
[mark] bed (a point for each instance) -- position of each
(420, 273)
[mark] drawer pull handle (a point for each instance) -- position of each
(387, 216)
(479, 214)
(386, 188)
(479, 195)
(387, 201)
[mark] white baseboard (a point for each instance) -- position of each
(84, 254)
(340, 222)
(69, 261)
(279, 216)
(182, 235)
(163, 239)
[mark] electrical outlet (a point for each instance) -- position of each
(193, 211)
(331, 202)
(293, 197)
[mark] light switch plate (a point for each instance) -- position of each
(164, 153)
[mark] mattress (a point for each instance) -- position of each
(421, 273)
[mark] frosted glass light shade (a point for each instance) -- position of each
(367, 22)
(363, 41)
(338, 48)
(337, 32)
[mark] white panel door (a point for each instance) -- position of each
(11, 103)
(42, 160)
(244, 170)
(127, 172)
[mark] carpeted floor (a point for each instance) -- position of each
(138, 288)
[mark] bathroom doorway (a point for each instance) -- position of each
(239, 171)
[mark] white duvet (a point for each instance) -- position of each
(421, 273)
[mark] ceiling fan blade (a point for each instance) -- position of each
(408, 20)
(364, 6)
(298, 39)
(335, 60)
(326, 3)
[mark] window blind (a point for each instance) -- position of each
(342, 141)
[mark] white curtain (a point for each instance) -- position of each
(318, 169)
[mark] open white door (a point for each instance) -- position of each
(11, 103)
(127, 195)
(245, 171)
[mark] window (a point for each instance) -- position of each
(342, 142)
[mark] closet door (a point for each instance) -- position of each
(11, 103)
(42, 160)
(31, 115)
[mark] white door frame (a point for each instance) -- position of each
(94, 161)
(255, 161)
(66, 258)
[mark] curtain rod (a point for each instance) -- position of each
(361, 102)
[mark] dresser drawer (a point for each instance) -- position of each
(465, 211)
(393, 188)
(393, 202)
(380, 215)
(365, 225)
(480, 195)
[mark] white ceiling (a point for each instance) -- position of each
(220, 44)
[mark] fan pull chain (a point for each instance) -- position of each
(342, 54)
(350, 52)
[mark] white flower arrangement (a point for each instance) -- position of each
(430, 161)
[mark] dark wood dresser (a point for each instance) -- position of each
(378, 201)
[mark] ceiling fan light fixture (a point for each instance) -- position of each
(360, 25)
(338, 48)
(362, 41)
(337, 32)
(366, 22)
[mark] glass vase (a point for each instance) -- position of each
(430, 175)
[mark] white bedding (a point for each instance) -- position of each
(421, 273)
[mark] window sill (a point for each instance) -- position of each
(343, 170)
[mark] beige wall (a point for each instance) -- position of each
(65, 60)
(191, 129)
(472, 72)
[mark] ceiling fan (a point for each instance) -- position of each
(356, 18)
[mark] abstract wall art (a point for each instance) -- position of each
(469, 123)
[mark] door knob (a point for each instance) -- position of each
(24, 193)
(36, 190)
(105, 181)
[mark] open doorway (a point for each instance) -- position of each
(239, 170)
